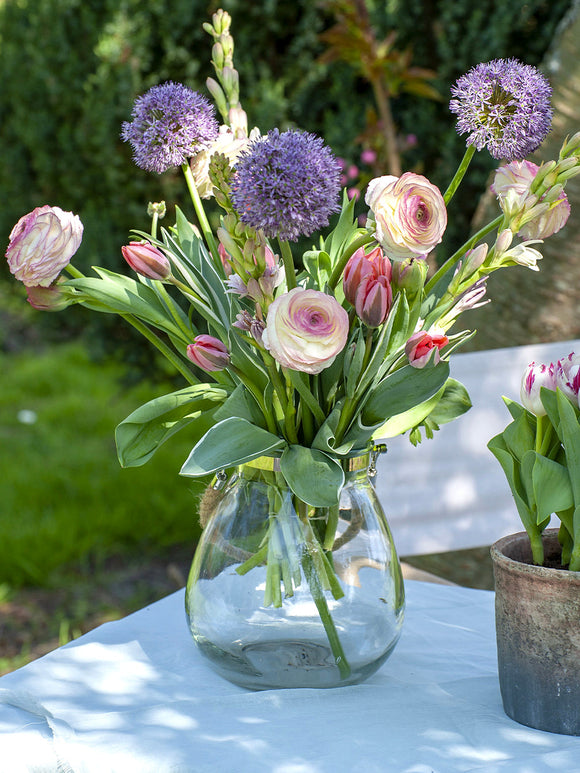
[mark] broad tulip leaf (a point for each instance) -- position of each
(312, 475)
(552, 488)
(454, 402)
(403, 390)
(571, 440)
(519, 436)
(144, 430)
(231, 442)
(403, 422)
(499, 449)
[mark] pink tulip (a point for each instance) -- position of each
(535, 377)
(208, 353)
(147, 260)
(42, 243)
(367, 285)
(423, 346)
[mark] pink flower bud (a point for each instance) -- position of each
(147, 260)
(357, 268)
(423, 346)
(373, 300)
(208, 353)
(368, 156)
(42, 243)
(535, 377)
(48, 298)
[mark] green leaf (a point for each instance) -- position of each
(144, 430)
(552, 488)
(403, 390)
(312, 475)
(454, 402)
(571, 441)
(231, 442)
(519, 436)
(499, 449)
(325, 439)
(515, 409)
(241, 403)
(344, 231)
(353, 361)
(402, 422)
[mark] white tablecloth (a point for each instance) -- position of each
(134, 696)
(450, 493)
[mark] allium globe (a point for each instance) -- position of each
(503, 105)
(170, 124)
(286, 184)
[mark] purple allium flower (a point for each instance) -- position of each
(287, 184)
(503, 105)
(170, 124)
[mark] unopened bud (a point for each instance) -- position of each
(147, 260)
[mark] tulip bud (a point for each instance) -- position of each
(373, 300)
(535, 377)
(147, 260)
(567, 375)
(49, 298)
(423, 346)
(208, 353)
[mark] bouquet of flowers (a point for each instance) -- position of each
(539, 452)
(307, 357)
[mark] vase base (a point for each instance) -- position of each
(271, 665)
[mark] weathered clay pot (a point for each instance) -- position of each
(537, 612)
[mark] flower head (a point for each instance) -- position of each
(367, 285)
(503, 105)
(170, 124)
(208, 353)
(147, 260)
(49, 298)
(305, 330)
(410, 214)
(535, 377)
(286, 184)
(42, 244)
(567, 375)
(423, 346)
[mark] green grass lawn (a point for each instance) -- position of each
(63, 494)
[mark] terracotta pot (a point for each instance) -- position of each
(537, 611)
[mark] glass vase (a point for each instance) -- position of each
(282, 594)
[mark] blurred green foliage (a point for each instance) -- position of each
(71, 70)
(64, 495)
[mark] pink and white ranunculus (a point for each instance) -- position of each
(409, 212)
(305, 330)
(535, 377)
(42, 244)
(423, 346)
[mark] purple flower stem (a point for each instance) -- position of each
(459, 174)
(202, 218)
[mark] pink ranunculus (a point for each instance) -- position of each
(305, 330)
(423, 346)
(147, 260)
(42, 243)
(409, 212)
(535, 377)
(208, 353)
(567, 376)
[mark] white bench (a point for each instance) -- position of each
(450, 493)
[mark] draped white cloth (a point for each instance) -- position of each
(450, 493)
(134, 696)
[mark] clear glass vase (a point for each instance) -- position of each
(282, 594)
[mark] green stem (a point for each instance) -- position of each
(74, 272)
(287, 407)
(288, 261)
(442, 270)
(360, 241)
(459, 174)
(537, 547)
(154, 221)
(201, 216)
(249, 384)
(171, 307)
